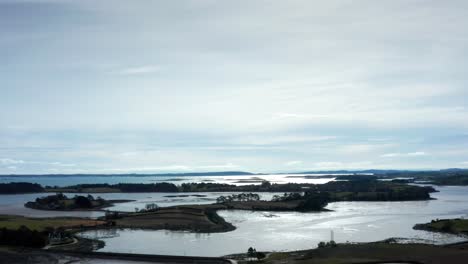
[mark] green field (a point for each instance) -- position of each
(448, 225)
(40, 224)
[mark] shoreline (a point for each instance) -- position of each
(372, 252)
(109, 203)
(457, 226)
(26, 255)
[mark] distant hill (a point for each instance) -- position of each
(378, 172)
(353, 171)
(383, 172)
(219, 173)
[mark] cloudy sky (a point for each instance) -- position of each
(207, 85)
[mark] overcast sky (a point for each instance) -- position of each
(208, 85)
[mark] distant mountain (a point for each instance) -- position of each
(375, 171)
(454, 169)
(243, 173)
(353, 171)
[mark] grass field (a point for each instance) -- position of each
(39, 224)
(193, 218)
(454, 226)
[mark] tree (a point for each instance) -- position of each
(151, 207)
(314, 201)
(448, 226)
(251, 252)
(83, 202)
(332, 243)
(260, 255)
(221, 199)
(265, 185)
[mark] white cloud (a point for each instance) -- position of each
(362, 148)
(338, 165)
(140, 70)
(61, 164)
(379, 139)
(418, 153)
(390, 155)
(328, 165)
(149, 169)
(217, 167)
(282, 139)
(169, 168)
(410, 154)
(254, 88)
(6, 161)
(129, 153)
(293, 163)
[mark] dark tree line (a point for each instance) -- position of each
(61, 202)
(23, 237)
(241, 197)
(351, 190)
(129, 187)
(221, 187)
(309, 201)
(20, 187)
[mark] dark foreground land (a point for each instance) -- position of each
(375, 253)
(22, 256)
(379, 252)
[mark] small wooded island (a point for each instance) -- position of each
(457, 226)
(61, 202)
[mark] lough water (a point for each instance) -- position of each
(51, 180)
(274, 231)
(266, 231)
(14, 204)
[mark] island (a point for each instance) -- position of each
(61, 202)
(20, 187)
(457, 226)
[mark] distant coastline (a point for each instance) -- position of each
(189, 174)
(377, 172)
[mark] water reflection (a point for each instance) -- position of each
(50, 180)
(14, 204)
(277, 231)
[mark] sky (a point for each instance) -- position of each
(249, 85)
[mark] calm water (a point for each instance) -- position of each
(237, 180)
(14, 204)
(266, 231)
(349, 221)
